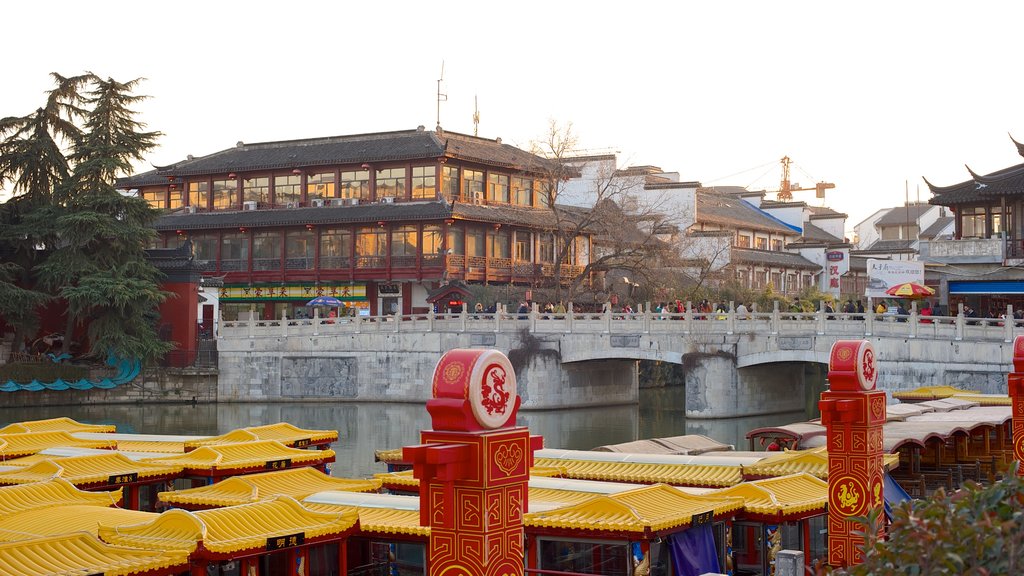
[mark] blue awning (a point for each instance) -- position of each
(893, 493)
(996, 287)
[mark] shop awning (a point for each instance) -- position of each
(997, 287)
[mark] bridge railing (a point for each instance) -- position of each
(691, 322)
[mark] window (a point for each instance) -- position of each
(156, 197)
(391, 183)
(404, 241)
(609, 559)
(776, 245)
(582, 251)
(742, 241)
(287, 189)
(234, 252)
(522, 191)
(760, 243)
(524, 244)
(199, 195)
(472, 185)
(299, 249)
(431, 239)
(450, 182)
(791, 283)
(371, 247)
(475, 242)
(355, 184)
(225, 195)
(257, 189)
(175, 198)
(320, 186)
(204, 247)
(335, 248)
(545, 192)
(546, 249)
(266, 251)
(741, 277)
(424, 182)
(972, 222)
(500, 244)
(457, 240)
(777, 281)
(497, 188)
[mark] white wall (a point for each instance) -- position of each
(866, 232)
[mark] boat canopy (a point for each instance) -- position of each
(82, 553)
(690, 444)
(92, 469)
(296, 482)
(27, 443)
(283, 432)
(64, 519)
(245, 455)
(52, 492)
(786, 498)
(62, 424)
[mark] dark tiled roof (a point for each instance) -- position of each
(936, 228)
(822, 212)
(903, 215)
(812, 232)
(782, 204)
(772, 258)
(340, 150)
(730, 211)
(411, 211)
(980, 189)
(890, 246)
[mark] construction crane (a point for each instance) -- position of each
(786, 189)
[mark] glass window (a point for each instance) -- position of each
(320, 185)
(287, 189)
(335, 248)
(972, 224)
(472, 185)
(608, 559)
(742, 241)
(234, 252)
(475, 242)
(457, 240)
(423, 182)
(522, 191)
(391, 183)
(156, 197)
(266, 251)
(582, 251)
(760, 243)
(546, 249)
(371, 241)
(225, 195)
(299, 249)
(776, 245)
(450, 182)
(257, 189)
(355, 184)
(176, 198)
(204, 247)
(497, 188)
(431, 239)
(199, 195)
(500, 244)
(524, 244)
(404, 241)
(545, 191)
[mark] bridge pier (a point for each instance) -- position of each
(716, 388)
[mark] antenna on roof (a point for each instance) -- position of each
(440, 97)
(476, 117)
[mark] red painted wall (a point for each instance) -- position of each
(180, 313)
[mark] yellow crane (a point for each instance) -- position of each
(785, 193)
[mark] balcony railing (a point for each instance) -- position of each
(964, 251)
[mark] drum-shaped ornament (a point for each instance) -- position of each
(1018, 354)
(852, 366)
(484, 380)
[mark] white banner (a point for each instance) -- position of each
(884, 274)
(837, 263)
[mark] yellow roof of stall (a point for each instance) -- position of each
(296, 482)
(552, 496)
(784, 496)
(931, 393)
(676, 474)
(283, 432)
(54, 520)
(87, 469)
(380, 520)
(55, 492)
(405, 479)
(231, 529)
(84, 554)
(813, 461)
(55, 425)
(243, 455)
(650, 508)
(150, 446)
(25, 443)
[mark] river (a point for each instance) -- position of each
(366, 427)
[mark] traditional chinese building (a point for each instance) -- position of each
(375, 220)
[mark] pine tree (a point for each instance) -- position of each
(99, 268)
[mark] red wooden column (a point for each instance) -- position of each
(473, 467)
(853, 413)
(1016, 385)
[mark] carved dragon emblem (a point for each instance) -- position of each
(492, 391)
(848, 496)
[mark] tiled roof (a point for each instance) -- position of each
(25, 443)
(297, 483)
(56, 520)
(772, 258)
(341, 150)
(676, 474)
(823, 212)
(788, 497)
(90, 469)
(730, 211)
(884, 246)
(243, 455)
(812, 232)
(399, 211)
(383, 521)
(936, 228)
(1005, 182)
(52, 492)
(84, 554)
(930, 393)
(54, 425)
(903, 215)
(283, 432)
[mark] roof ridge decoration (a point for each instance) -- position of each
(1019, 145)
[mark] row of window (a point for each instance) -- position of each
(983, 221)
(758, 279)
(412, 183)
(336, 247)
(760, 243)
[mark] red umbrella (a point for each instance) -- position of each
(910, 290)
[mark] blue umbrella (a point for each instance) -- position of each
(329, 301)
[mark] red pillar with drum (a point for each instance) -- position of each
(853, 413)
(474, 467)
(1016, 389)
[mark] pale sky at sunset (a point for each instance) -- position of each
(864, 94)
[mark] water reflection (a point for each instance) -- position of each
(365, 427)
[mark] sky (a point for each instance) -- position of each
(869, 95)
